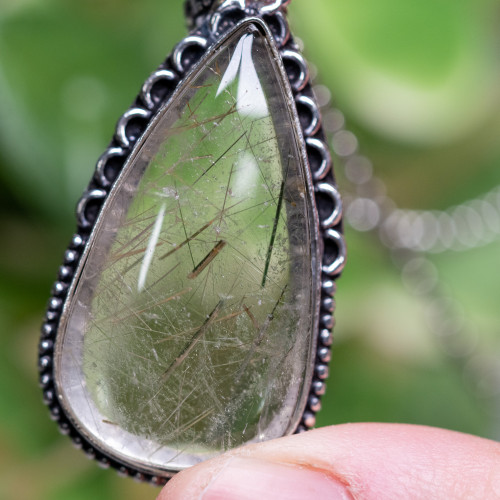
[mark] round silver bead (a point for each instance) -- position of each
(309, 419)
(45, 380)
(59, 288)
(46, 345)
(328, 321)
(45, 362)
(324, 354)
(55, 303)
(314, 403)
(326, 337)
(319, 387)
(329, 287)
(65, 273)
(322, 372)
(47, 329)
(77, 241)
(70, 256)
(328, 304)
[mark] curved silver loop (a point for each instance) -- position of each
(297, 59)
(326, 159)
(101, 165)
(162, 74)
(331, 191)
(272, 7)
(93, 194)
(338, 264)
(284, 34)
(178, 52)
(121, 126)
(224, 7)
(315, 122)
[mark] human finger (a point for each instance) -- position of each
(351, 461)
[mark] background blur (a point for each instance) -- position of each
(419, 84)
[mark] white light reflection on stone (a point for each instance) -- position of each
(150, 249)
(245, 175)
(251, 100)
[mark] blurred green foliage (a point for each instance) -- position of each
(418, 82)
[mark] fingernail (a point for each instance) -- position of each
(251, 479)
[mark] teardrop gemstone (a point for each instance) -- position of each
(190, 329)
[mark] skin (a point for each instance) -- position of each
(351, 461)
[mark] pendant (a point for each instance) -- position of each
(193, 311)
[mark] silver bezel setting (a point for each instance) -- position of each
(157, 90)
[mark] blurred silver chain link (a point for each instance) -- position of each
(411, 236)
(471, 224)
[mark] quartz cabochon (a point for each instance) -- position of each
(191, 328)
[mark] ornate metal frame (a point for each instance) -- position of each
(209, 26)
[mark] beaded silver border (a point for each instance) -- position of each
(155, 91)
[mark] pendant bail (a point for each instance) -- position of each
(197, 10)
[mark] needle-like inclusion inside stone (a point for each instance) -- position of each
(190, 330)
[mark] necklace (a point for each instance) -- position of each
(193, 311)
(411, 237)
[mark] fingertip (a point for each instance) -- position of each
(190, 483)
(369, 461)
(247, 478)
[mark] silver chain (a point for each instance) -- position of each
(411, 236)
(471, 224)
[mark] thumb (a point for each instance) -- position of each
(352, 461)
